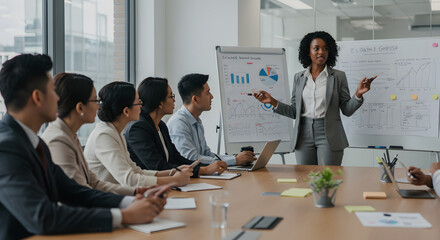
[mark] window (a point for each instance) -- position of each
(21, 30)
(95, 43)
(284, 25)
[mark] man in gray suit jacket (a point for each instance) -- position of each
(36, 197)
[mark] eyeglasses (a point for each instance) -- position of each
(173, 96)
(95, 100)
(138, 104)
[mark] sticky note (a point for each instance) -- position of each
(414, 97)
(375, 195)
(393, 97)
(287, 180)
(435, 44)
(296, 192)
(351, 209)
(435, 96)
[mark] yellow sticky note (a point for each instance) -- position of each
(393, 97)
(287, 180)
(296, 192)
(351, 209)
(435, 96)
(414, 97)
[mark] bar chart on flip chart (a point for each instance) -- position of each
(243, 71)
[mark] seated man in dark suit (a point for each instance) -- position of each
(36, 197)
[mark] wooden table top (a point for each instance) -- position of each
(302, 220)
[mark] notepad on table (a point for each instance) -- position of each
(158, 224)
(180, 203)
(287, 180)
(296, 192)
(197, 187)
(351, 209)
(375, 195)
(225, 176)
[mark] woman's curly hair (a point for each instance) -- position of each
(304, 48)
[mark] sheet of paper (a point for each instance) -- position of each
(225, 176)
(351, 209)
(400, 220)
(296, 192)
(180, 203)
(198, 187)
(158, 224)
(287, 180)
(402, 180)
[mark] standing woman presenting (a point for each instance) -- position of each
(318, 93)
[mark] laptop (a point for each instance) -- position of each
(262, 160)
(408, 193)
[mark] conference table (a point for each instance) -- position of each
(301, 219)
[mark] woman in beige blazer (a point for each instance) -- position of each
(319, 94)
(77, 105)
(106, 150)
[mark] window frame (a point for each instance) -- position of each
(54, 36)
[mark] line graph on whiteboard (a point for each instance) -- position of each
(416, 73)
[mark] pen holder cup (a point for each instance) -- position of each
(383, 173)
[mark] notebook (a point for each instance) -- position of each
(196, 187)
(225, 176)
(180, 203)
(158, 224)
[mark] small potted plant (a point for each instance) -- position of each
(324, 187)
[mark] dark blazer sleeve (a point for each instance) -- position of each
(147, 151)
(72, 193)
(24, 197)
(144, 149)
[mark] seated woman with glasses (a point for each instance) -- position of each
(106, 149)
(77, 106)
(148, 139)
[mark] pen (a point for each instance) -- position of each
(178, 170)
(377, 147)
(379, 160)
(405, 167)
(385, 158)
(217, 157)
(388, 156)
(250, 94)
(394, 160)
(176, 188)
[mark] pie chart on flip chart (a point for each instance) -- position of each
(268, 76)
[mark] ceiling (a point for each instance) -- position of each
(393, 9)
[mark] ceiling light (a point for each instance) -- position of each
(435, 5)
(295, 4)
(366, 24)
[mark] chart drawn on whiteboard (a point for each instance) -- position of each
(248, 120)
(414, 73)
(407, 73)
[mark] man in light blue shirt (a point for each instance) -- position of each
(186, 128)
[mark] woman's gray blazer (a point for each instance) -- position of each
(337, 97)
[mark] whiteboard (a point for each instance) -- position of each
(402, 107)
(245, 120)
